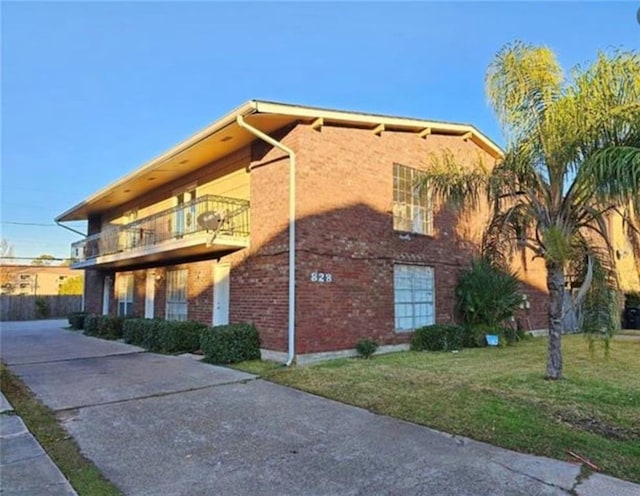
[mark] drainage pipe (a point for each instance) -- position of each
(292, 231)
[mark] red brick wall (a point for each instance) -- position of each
(344, 227)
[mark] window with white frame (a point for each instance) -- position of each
(412, 206)
(125, 294)
(177, 294)
(413, 289)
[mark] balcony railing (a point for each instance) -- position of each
(173, 224)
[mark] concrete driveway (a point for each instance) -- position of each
(156, 424)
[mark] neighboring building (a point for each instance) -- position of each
(204, 231)
(626, 252)
(34, 279)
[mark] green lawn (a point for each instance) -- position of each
(499, 396)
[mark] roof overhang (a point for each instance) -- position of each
(225, 136)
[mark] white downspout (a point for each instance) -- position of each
(292, 230)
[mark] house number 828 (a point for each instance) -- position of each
(321, 277)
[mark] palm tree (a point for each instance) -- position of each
(572, 156)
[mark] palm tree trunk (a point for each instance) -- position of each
(555, 285)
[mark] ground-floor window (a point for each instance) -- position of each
(177, 294)
(125, 294)
(413, 290)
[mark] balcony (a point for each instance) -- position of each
(205, 225)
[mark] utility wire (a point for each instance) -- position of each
(27, 223)
(33, 258)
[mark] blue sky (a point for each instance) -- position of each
(92, 90)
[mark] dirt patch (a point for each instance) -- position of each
(598, 426)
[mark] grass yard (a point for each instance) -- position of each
(83, 475)
(499, 396)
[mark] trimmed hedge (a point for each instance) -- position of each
(230, 343)
(133, 330)
(150, 334)
(179, 337)
(91, 324)
(164, 336)
(103, 326)
(76, 320)
(439, 337)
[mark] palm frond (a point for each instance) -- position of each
(521, 82)
(610, 176)
(454, 183)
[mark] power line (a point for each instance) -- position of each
(33, 258)
(27, 223)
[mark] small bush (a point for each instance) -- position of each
(486, 294)
(439, 337)
(176, 337)
(512, 335)
(133, 330)
(151, 335)
(366, 348)
(76, 320)
(110, 326)
(42, 308)
(103, 326)
(91, 324)
(230, 343)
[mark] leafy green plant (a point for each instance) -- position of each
(176, 337)
(230, 343)
(366, 348)
(133, 330)
(110, 326)
(151, 334)
(439, 337)
(486, 294)
(91, 324)
(600, 310)
(42, 308)
(103, 326)
(76, 320)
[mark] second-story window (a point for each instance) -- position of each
(412, 206)
(177, 294)
(125, 294)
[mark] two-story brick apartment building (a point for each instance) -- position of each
(305, 221)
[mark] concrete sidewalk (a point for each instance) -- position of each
(25, 467)
(155, 424)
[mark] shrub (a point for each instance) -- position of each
(103, 326)
(366, 348)
(76, 320)
(42, 308)
(150, 334)
(486, 294)
(439, 337)
(110, 326)
(133, 330)
(230, 343)
(512, 335)
(175, 337)
(91, 324)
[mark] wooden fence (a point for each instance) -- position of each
(38, 307)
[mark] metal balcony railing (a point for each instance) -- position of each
(171, 224)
